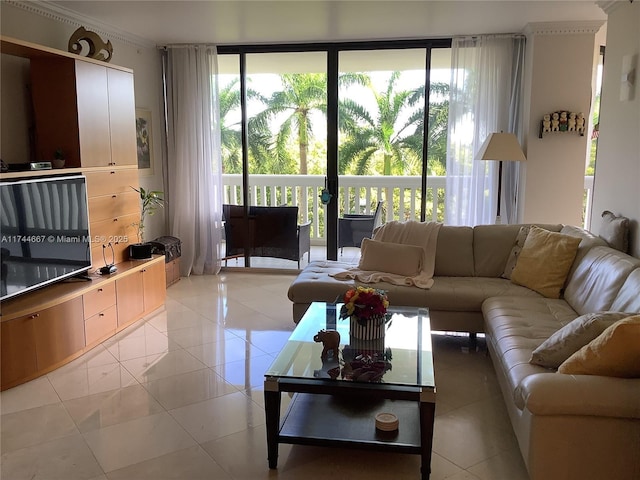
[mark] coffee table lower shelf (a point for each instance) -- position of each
(349, 422)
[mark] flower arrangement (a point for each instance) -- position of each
(364, 304)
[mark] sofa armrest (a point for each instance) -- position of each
(560, 394)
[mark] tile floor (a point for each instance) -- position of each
(179, 396)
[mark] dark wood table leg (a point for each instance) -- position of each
(272, 413)
(427, 416)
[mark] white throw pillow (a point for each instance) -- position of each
(572, 337)
(396, 258)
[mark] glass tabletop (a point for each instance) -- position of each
(403, 357)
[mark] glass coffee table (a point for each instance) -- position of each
(333, 404)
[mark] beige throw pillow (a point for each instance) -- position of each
(615, 231)
(572, 337)
(614, 353)
(545, 261)
(396, 258)
(515, 251)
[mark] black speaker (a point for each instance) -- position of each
(140, 251)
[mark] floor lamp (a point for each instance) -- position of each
(501, 147)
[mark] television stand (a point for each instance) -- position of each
(80, 277)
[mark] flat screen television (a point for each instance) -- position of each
(44, 228)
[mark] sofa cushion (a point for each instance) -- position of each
(515, 251)
(516, 326)
(572, 337)
(615, 231)
(492, 246)
(598, 278)
(544, 261)
(454, 252)
(614, 353)
(628, 299)
(388, 257)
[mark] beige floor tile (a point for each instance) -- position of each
(135, 346)
(67, 458)
(188, 388)
(225, 350)
(32, 394)
(245, 374)
(507, 464)
(36, 425)
(109, 408)
(153, 367)
(136, 441)
(474, 433)
(82, 382)
(192, 463)
(206, 332)
(219, 417)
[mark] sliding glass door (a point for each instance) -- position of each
(346, 120)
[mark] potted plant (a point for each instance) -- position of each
(58, 158)
(151, 200)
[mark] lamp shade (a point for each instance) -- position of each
(502, 147)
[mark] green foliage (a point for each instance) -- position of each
(151, 200)
(384, 138)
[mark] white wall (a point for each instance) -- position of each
(559, 77)
(617, 178)
(52, 31)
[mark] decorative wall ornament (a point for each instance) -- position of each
(98, 49)
(563, 121)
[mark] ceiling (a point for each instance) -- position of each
(265, 21)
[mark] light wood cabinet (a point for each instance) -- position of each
(59, 333)
(18, 350)
(101, 326)
(86, 109)
(42, 330)
(38, 341)
(155, 286)
(141, 292)
(172, 271)
(130, 297)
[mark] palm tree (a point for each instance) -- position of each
(231, 134)
(301, 95)
(382, 133)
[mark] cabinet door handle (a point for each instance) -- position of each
(115, 219)
(35, 315)
(101, 314)
(114, 196)
(112, 173)
(99, 290)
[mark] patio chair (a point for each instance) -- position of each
(353, 228)
(271, 232)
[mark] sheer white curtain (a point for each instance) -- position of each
(482, 79)
(194, 162)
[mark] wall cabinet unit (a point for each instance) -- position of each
(87, 110)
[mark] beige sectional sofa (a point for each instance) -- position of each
(568, 426)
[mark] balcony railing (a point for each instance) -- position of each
(357, 194)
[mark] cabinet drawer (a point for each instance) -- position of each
(106, 207)
(108, 182)
(115, 230)
(99, 299)
(120, 254)
(101, 325)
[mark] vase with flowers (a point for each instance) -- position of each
(366, 308)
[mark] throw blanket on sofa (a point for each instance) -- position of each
(421, 234)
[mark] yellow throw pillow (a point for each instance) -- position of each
(615, 353)
(545, 261)
(388, 257)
